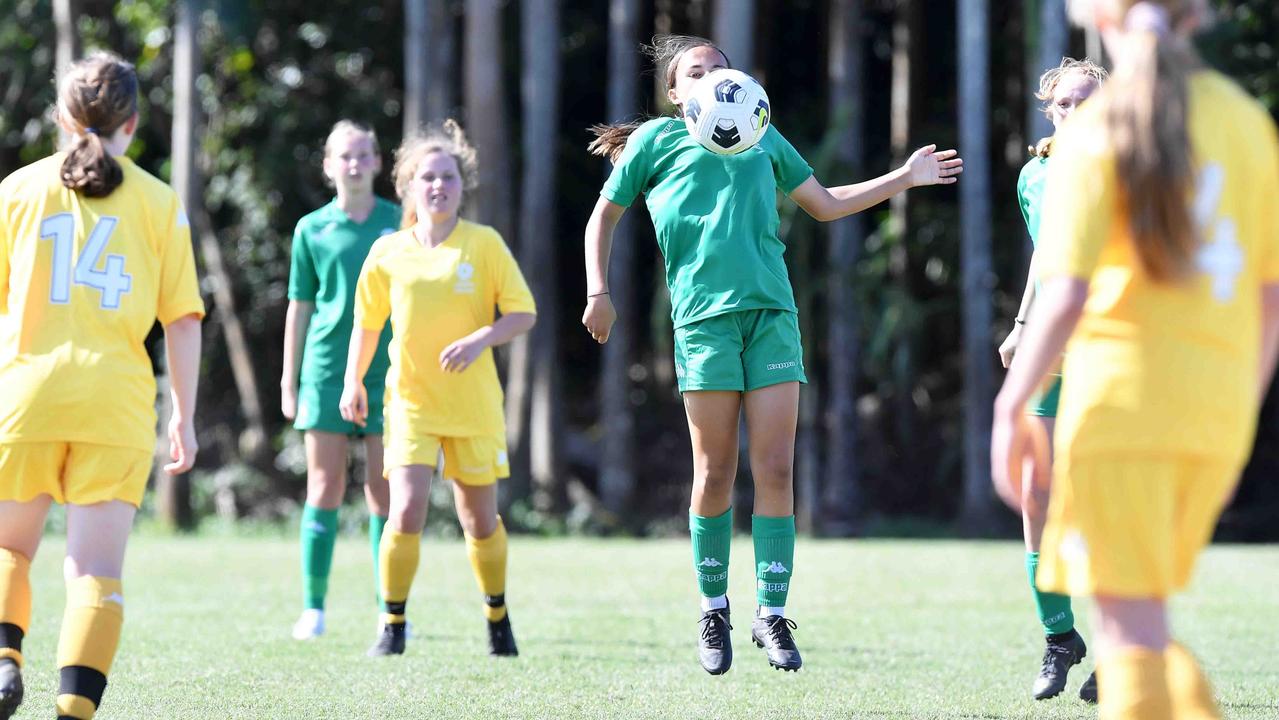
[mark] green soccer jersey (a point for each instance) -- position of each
(328, 251)
(1030, 193)
(715, 216)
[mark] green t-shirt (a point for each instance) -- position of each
(1030, 194)
(328, 251)
(715, 216)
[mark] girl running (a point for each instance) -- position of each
(93, 251)
(1063, 89)
(737, 344)
(1159, 258)
(438, 281)
(329, 246)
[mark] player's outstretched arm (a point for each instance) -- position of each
(182, 345)
(296, 321)
(926, 166)
(354, 404)
(600, 315)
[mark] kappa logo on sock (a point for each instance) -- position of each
(116, 598)
(317, 527)
(779, 587)
(776, 567)
(710, 562)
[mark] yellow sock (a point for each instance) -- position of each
(397, 562)
(15, 603)
(1192, 697)
(488, 560)
(87, 645)
(1132, 685)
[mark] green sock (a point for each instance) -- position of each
(377, 524)
(1054, 609)
(319, 534)
(711, 539)
(774, 558)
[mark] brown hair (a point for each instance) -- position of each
(666, 50)
(1048, 83)
(343, 127)
(447, 138)
(95, 97)
(1147, 115)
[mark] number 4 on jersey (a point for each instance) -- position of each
(111, 281)
(1221, 258)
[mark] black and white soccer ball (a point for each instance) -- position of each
(727, 111)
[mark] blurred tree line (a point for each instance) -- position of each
(901, 307)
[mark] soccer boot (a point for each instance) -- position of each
(772, 633)
(1088, 691)
(310, 625)
(390, 642)
(502, 638)
(10, 688)
(1063, 652)
(715, 645)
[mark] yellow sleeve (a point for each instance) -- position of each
(1079, 204)
(372, 294)
(510, 290)
(5, 248)
(179, 288)
(1269, 220)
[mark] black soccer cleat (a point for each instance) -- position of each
(1088, 691)
(501, 638)
(390, 642)
(715, 645)
(10, 688)
(772, 633)
(1063, 652)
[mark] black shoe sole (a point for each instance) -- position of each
(776, 666)
(9, 706)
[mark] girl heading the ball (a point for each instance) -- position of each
(737, 342)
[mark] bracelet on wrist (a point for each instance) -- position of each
(1019, 321)
(591, 295)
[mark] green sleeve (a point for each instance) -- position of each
(631, 174)
(304, 283)
(1024, 200)
(789, 167)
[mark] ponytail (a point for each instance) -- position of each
(1147, 121)
(96, 97)
(610, 140)
(89, 169)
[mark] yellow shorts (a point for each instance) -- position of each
(469, 460)
(76, 473)
(1130, 527)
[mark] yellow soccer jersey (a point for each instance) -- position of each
(435, 296)
(1159, 368)
(82, 282)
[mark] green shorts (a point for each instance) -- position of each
(1045, 404)
(318, 410)
(742, 351)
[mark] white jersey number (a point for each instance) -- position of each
(1220, 257)
(112, 281)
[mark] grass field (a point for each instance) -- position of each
(889, 629)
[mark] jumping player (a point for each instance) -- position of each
(439, 281)
(1159, 262)
(1062, 89)
(93, 251)
(737, 343)
(329, 246)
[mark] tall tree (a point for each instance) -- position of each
(441, 97)
(1053, 41)
(976, 276)
(733, 28)
(417, 70)
(486, 113)
(66, 19)
(540, 95)
(842, 496)
(617, 473)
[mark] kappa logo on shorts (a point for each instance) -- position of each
(465, 278)
(1073, 547)
(474, 469)
(501, 457)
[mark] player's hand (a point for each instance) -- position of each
(459, 355)
(927, 166)
(599, 317)
(182, 445)
(289, 401)
(1015, 441)
(354, 405)
(1009, 346)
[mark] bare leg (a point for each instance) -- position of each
(712, 426)
(772, 414)
(325, 469)
(1034, 495)
(377, 492)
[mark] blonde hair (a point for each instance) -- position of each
(666, 50)
(1048, 83)
(349, 127)
(1147, 116)
(447, 137)
(96, 96)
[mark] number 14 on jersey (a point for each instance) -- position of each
(111, 281)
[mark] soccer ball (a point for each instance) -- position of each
(727, 111)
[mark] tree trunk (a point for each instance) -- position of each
(975, 228)
(842, 497)
(486, 114)
(1054, 39)
(417, 31)
(441, 96)
(540, 90)
(617, 446)
(907, 30)
(66, 15)
(173, 494)
(733, 29)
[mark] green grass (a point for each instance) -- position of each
(889, 629)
